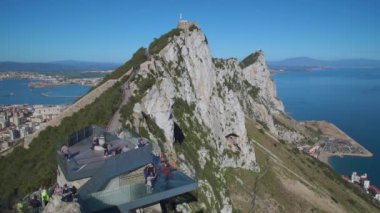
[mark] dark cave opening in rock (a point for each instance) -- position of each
(178, 134)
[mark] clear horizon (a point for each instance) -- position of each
(45, 31)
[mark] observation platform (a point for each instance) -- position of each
(116, 182)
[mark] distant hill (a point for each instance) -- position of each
(306, 63)
(57, 66)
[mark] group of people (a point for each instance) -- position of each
(108, 148)
(150, 175)
(69, 194)
(37, 201)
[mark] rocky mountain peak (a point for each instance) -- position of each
(182, 90)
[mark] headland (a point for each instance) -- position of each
(335, 142)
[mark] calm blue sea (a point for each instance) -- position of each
(349, 98)
(24, 95)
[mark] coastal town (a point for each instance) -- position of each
(19, 121)
(364, 183)
(12, 75)
(43, 80)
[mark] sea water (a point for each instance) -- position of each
(18, 92)
(349, 98)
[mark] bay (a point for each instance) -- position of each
(17, 92)
(349, 98)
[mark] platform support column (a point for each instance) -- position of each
(163, 206)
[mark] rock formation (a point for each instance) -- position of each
(204, 114)
(207, 100)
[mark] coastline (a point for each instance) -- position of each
(337, 137)
(326, 156)
(60, 96)
(16, 92)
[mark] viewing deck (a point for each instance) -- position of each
(129, 197)
(117, 181)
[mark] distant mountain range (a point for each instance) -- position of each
(295, 64)
(57, 66)
(305, 63)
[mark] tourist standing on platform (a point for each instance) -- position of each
(167, 173)
(65, 151)
(149, 182)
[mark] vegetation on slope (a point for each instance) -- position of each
(138, 57)
(249, 60)
(24, 171)
(158, 44)
(195, 136)
(317, 188)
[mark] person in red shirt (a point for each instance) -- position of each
(166, 172)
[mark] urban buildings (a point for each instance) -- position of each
(364, 182)
(18, 121)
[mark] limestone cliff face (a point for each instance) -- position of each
(208, 100)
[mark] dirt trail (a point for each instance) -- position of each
(114, 125)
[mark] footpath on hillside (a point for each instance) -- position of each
(78, 105)
(114, 124)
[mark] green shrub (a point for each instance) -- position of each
(252, 58)
(193, 27)
(158, 44)
(138, 57)
(25, 170)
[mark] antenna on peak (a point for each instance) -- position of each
(180, 16)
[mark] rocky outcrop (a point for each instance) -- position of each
(56, 205)
(208, 100)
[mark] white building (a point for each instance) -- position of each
(4, 145)
(24, 131)
(3, 120)
(355, 178)
(47, 112)
(16, 120)
(366, 184)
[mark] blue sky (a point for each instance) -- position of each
(110, 31)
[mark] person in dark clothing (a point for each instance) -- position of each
(118, 150)
(74, 193)
(151, 169)
(141, 143)
(145, 172)
(66, 194)
(35, 204)
(95, 142)
(105, 150)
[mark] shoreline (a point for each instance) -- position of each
(60, 96)
(326, 156)
(335, 140)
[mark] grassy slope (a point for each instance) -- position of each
(25, 170)
(281, 190)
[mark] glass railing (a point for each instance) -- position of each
(129, 193)
(73, 172)
(117, 165)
